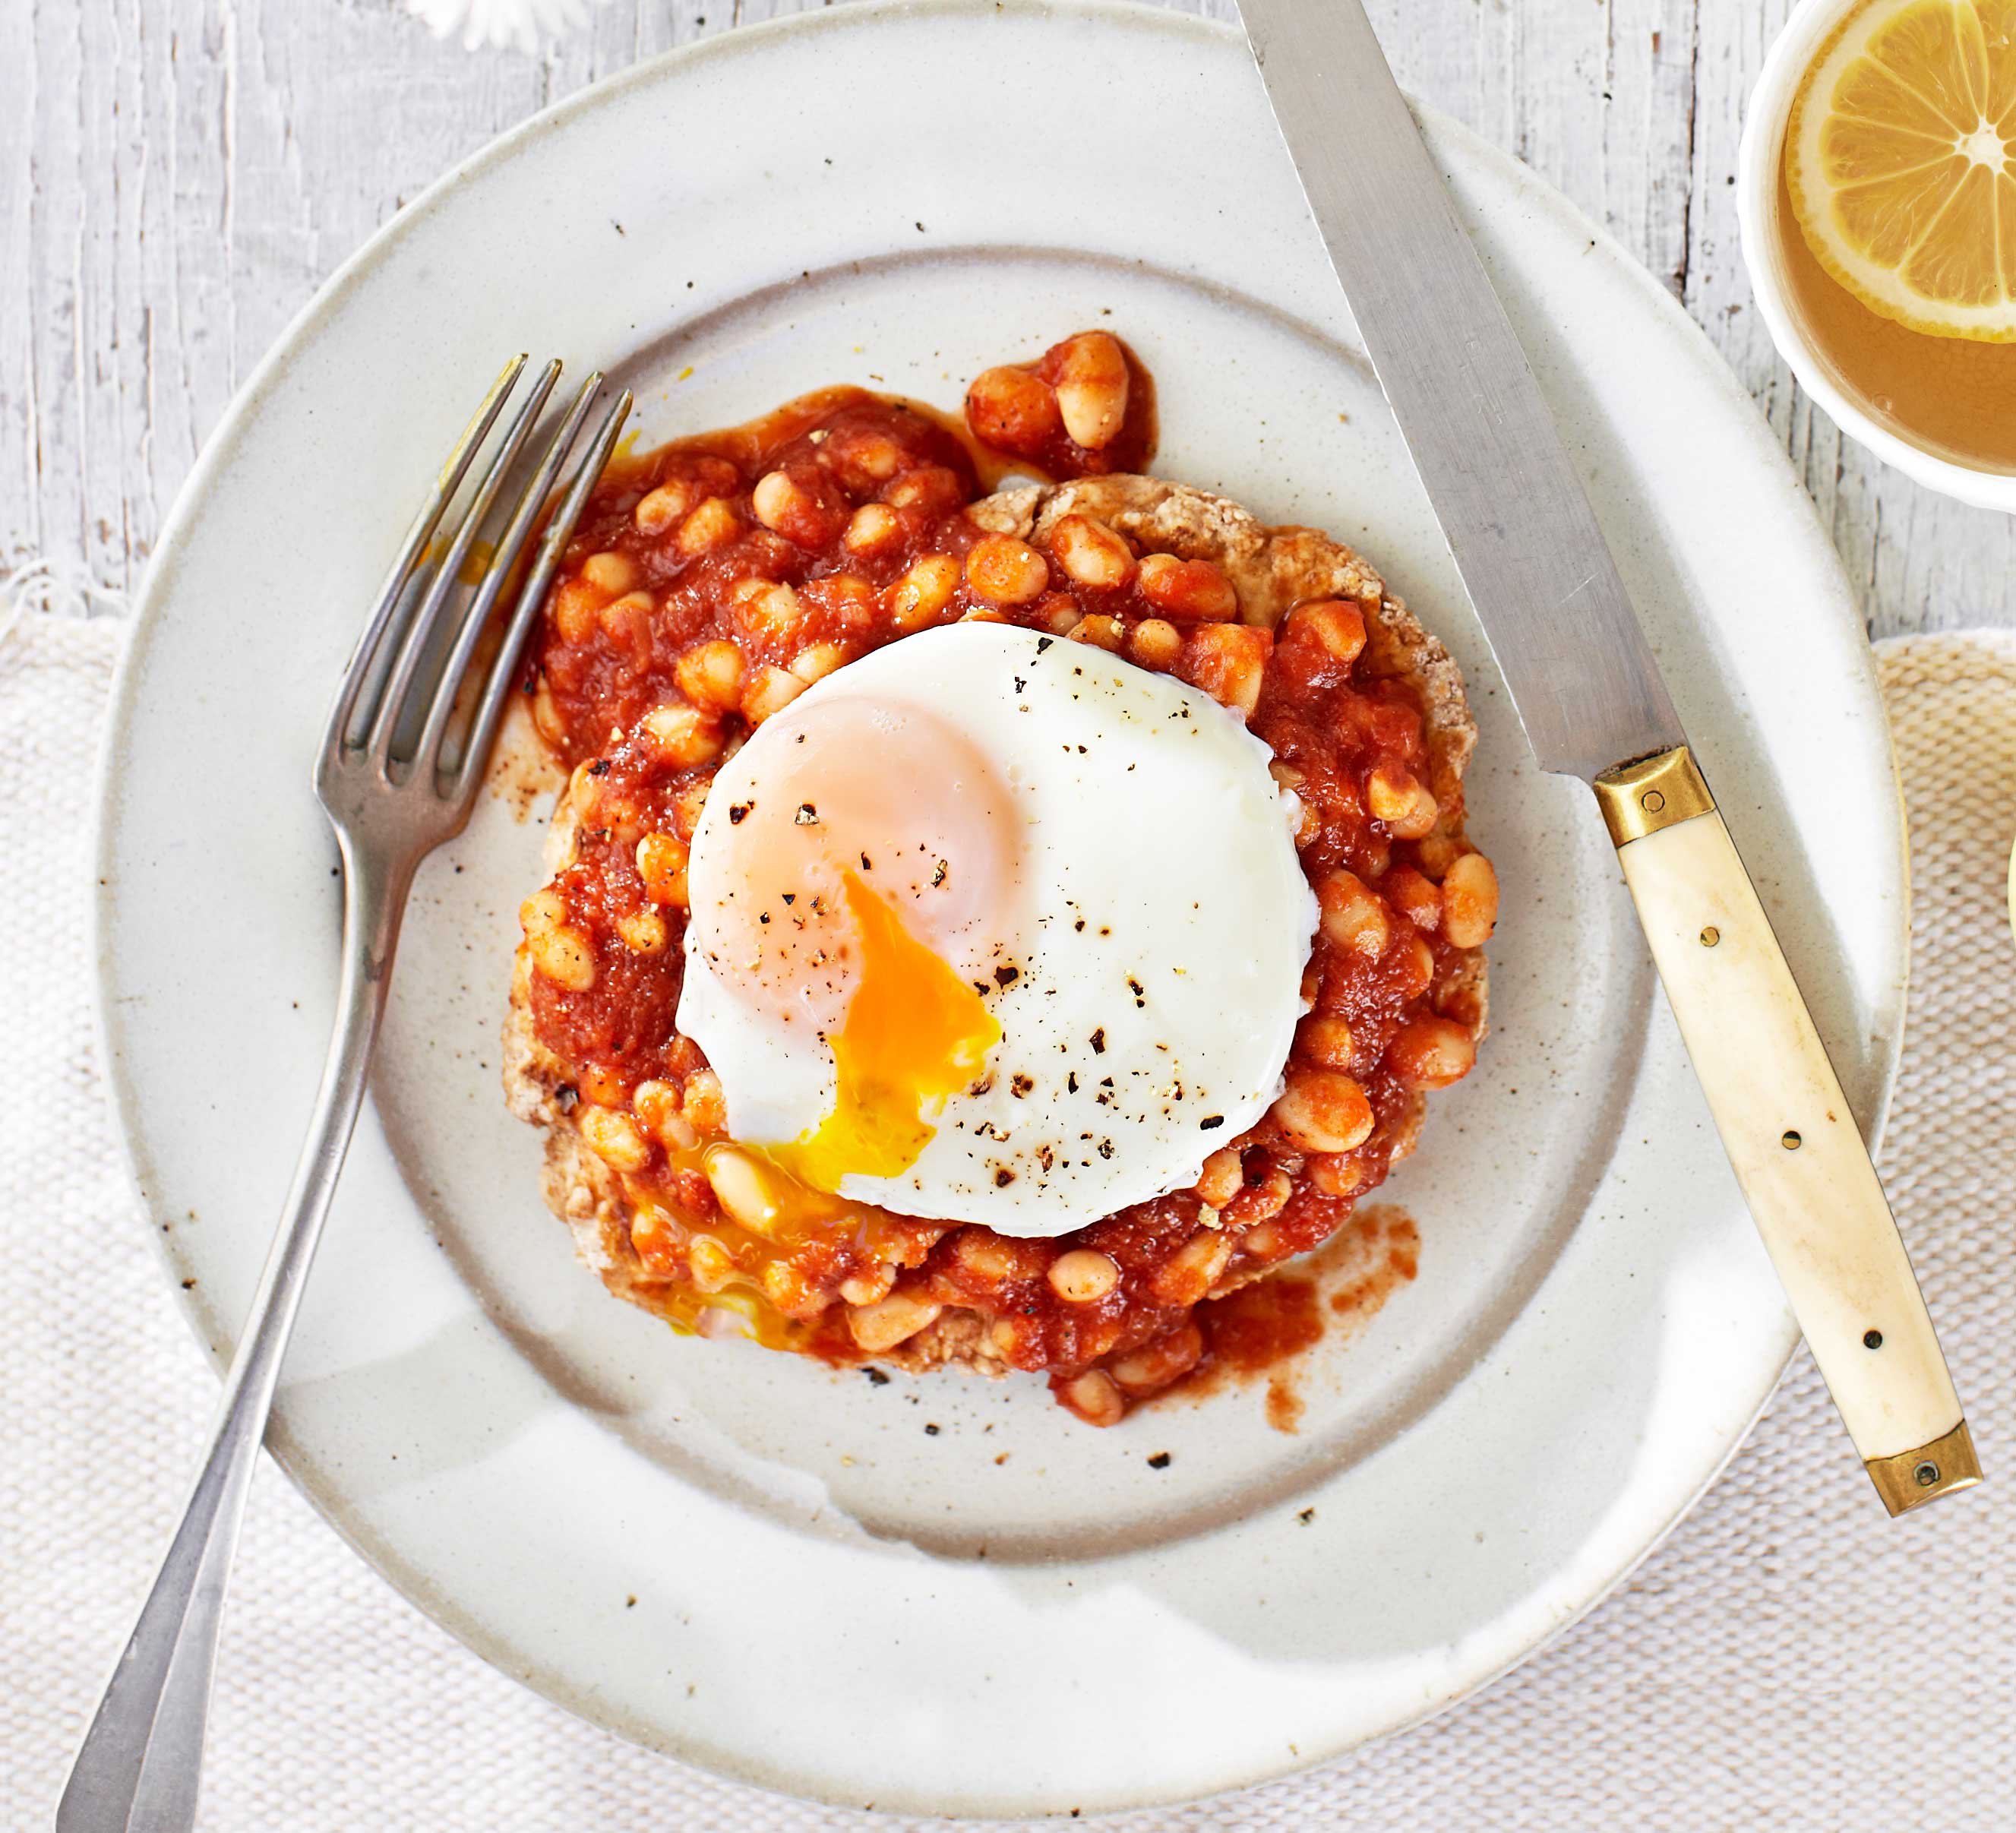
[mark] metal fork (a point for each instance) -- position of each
(394, 794)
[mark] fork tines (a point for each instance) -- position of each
(406, 677)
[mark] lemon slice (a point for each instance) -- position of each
(1901, 160)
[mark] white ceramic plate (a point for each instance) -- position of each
(770, 1568)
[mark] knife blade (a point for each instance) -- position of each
(1588, 693)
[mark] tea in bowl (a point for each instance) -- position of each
(1877, 199)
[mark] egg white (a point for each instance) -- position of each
(1156, 959)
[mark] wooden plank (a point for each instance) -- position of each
(21, 433)
(176, 177)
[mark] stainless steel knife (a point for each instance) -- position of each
(1569, 646)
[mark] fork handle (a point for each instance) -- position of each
(138, 1770)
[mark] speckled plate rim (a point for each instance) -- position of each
(1573, 1592)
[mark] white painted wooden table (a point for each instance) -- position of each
(177, 176)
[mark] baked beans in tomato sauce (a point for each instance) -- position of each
(707, 585)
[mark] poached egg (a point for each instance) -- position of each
(992, 927)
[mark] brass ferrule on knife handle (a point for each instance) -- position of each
(1655, 792)
(1785, 1123)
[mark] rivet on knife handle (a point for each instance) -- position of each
(1786, 1125)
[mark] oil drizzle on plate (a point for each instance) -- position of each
(523, 773)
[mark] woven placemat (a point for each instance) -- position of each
(1789, 1658)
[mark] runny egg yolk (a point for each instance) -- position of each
(914, 1033)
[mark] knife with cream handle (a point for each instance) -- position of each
(1590, 697)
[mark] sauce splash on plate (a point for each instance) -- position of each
(1266, 1328)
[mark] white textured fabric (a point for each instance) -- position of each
(1788, 1659)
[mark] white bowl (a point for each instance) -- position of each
(771, 1569)
(1757, 209)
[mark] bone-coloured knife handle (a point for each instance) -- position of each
(1786, 1125)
